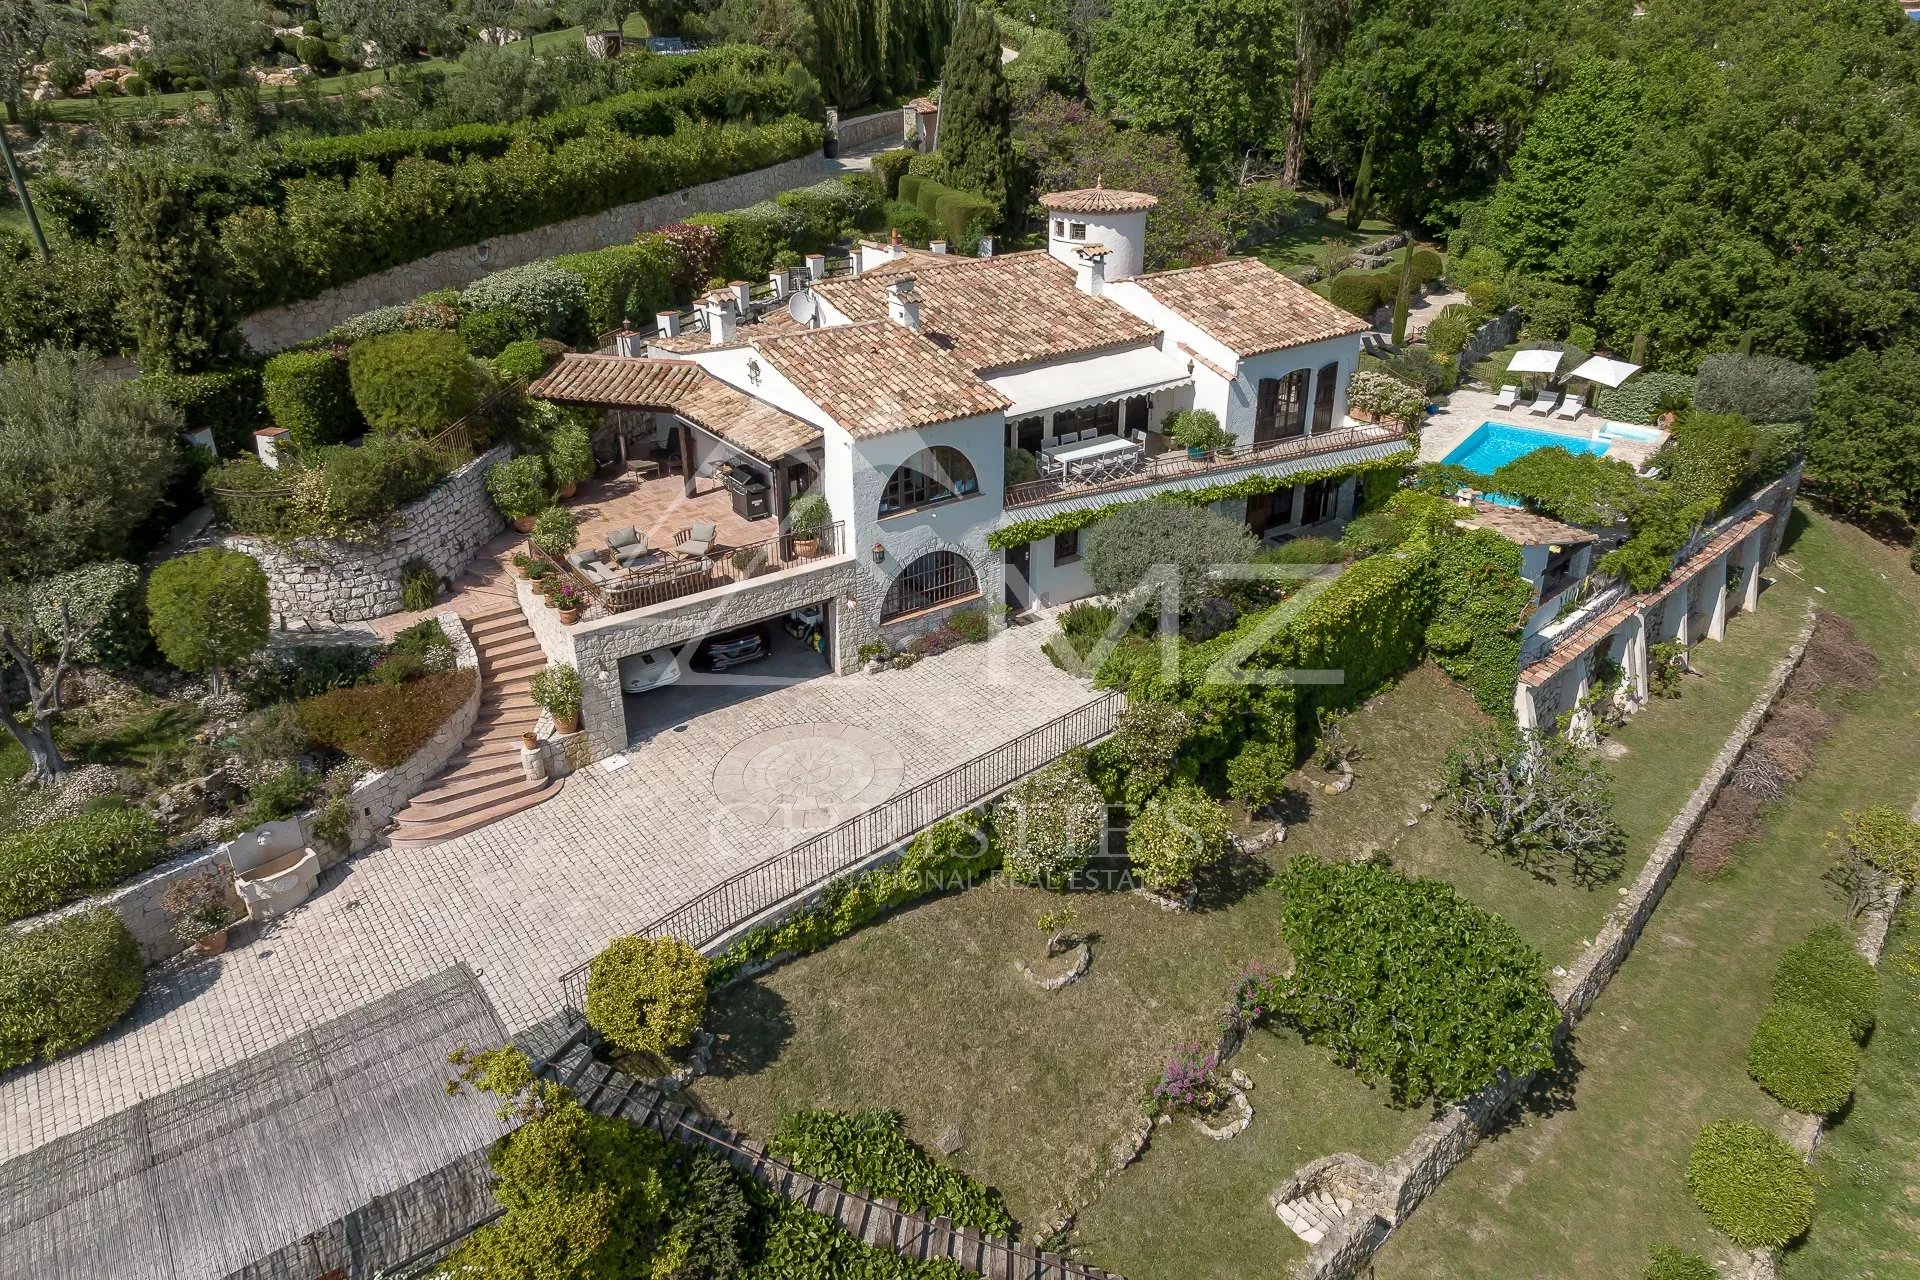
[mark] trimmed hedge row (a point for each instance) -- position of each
(330, 231)
(62, 862)
(961, 215)
(65, 985)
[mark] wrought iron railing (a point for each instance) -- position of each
(691, 575)
(805, 867)
(1604, 594)
(1175, 465)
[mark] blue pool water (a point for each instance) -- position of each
(1492, 445)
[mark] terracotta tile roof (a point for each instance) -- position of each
(1204, 362)
(1690, 568)
(679, 387)
(995, 313)
(1099, 199)
(773, 320)
(1524, 527)
(878, 377)
(1249, 307)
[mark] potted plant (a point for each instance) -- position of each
(1198, 430)
(748, 562)
(807, 517)
(539, 572)
(569, 453)
(557, 689)
(530, 740)
(519, 490)
(522, 565)
(202, 908)
(555, 532)
(568, 599)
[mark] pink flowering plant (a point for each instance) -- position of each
(1251, 998)
(1187, 1081)
(569, 596)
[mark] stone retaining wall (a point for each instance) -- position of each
(374, 800)
(863, 131)
(280, 327)
(318, 580)
(1489, 338)
(1439, 1148)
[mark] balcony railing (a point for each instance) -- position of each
(1603, 595)
(809, 865)
(1177, 465)
(656, 584)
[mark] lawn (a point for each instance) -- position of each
(925, 1013)
(1301, 245)
(1587, 1190)
(1866, 1214)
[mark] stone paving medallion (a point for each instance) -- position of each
(808, 776)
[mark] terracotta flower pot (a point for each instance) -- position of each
(569, 616)
(806, 546)
(211, 944)
(524, 524)
(569, 725)
(568, 490)
(530, 740)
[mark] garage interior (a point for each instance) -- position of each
(792, 658)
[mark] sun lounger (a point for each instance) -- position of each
(1508, 394)
(1544, 403)
(1570, 408)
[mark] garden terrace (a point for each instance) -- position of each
(1267, 457)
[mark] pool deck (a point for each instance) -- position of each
(1466, 409)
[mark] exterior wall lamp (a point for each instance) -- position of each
(879, 553)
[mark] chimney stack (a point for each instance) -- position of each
(817, 264)
(742, 298)
(628, 343)
(667, 323)
(938, 246)
(986, 246)
(903, 302)
(1090, 271)
(718, 306)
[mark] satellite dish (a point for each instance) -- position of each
(802, 307)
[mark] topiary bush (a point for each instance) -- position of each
(519, 487)
(1669, 1263)
(384, 724)
(418, 381)
(208, 610)
(647, 995)
(520, 361)
(45, 867)
(1825, 973)
(308, 393)
(1361, 292)
(102, 603)
(1750, 1184)
(1804, 1058)
(1177, 834)
(1427, 266)
(65, 985)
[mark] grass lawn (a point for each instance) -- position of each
(1866, 1213)
(1301, 245)
(1589, 1189)
(925, 1013)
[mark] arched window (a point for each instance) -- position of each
(937, 578)
(939, 474)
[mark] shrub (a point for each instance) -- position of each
(1361, 292)
(569, 454)
(809, 515)
(226, 402)
(384, 724)
(418, 381)
(1373, 533)
(65, 985)
(208, 610)
(270, 735)
(867, 1150)
(1386, 397)
(1707, 457)
(1197, 429)
(625, 282)
(1450, 331)
(971, 625)
(1050, 823)
(1480, 295)
(1257, 775)
(1428, 266)
(520, 361)
(557, 688)
(280, 795)
(307, 392)
(1750, 1184)
(44, 867)
(426, 640)
(1669, 1263)
(891, 166)
(519, 487)
(1645, 396)
(550, 300)
(302, 671)
(555, 532)
(647, 995)
(1804, 1058)
(1127, 547)
(419, 585)
(1409, 982)
(1307, 550)
(1758, 388)
(1823, 972)
(103, 600)
(1175, 836)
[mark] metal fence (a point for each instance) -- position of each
(807, 866)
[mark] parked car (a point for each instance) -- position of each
(643, 671)
(732, 648)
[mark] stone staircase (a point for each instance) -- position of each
(1314, 1214)
(484, 783)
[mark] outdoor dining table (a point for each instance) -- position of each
(1081, 452)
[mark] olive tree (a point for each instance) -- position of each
(1537, 800)
(1165, 546)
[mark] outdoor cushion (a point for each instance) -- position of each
(619, 538)
(581, 559)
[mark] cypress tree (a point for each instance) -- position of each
(976, 110)
(174, 295)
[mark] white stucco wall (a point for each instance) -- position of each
(1124, 235)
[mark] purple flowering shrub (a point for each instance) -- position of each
(1187, 1081)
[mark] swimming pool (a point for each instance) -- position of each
(1492, 445)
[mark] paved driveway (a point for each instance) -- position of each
(527, 898)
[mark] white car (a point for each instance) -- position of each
(652, 670)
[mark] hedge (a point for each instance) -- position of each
(647, 995)
(890, 167)
(1750, 1184)
(625, 284)
(1825, 973)
(65, 985)
(46, 867)
(1804, 1058)
(419, 381)
(384, 724)
(227, 402)
(962, 216)
(1638, 399)
(1363, 292)
(307, 392)
(330, 230)
(866, 1150)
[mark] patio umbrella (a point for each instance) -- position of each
(1605, 371)
(1536, 360)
